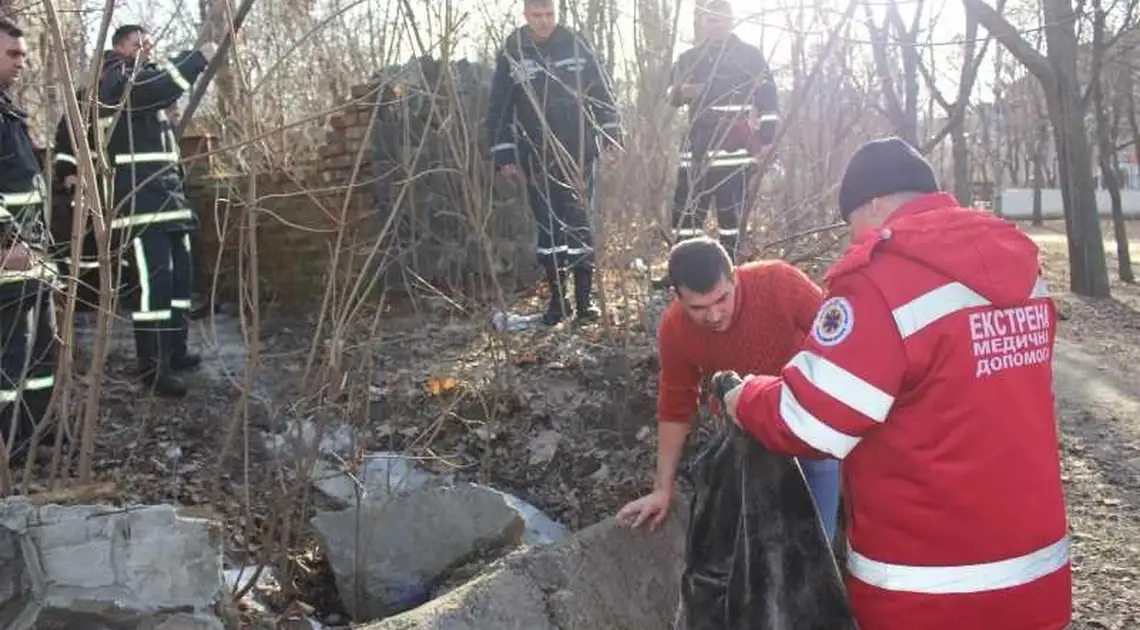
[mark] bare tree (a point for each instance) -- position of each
(955, 127)
(1057, 73)
(900, 109)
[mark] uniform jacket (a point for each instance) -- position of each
(147, 188)
(928, 373)
(552, 88)
(22, 193)
(65, 163)
(737, 81)
(21, 183)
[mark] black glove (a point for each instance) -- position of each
(724, 382)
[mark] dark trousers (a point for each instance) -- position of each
(28, 358)
(159, 299)
(561, 202)
(700, 184)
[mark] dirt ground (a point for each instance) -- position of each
(1099, 404)
(563, 418)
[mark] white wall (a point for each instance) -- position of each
(1017, 203)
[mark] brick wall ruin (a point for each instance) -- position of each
(434, 197)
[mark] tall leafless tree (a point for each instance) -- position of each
(1057, 73)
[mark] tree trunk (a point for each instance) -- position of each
(1119, 225)
(1106, 159)
(1057, 73)
(960, 149)
(1088, 268)
(1038, 184)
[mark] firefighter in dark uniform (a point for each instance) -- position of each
(66, 173)
(27, 278)
(732, 103)
(150, 217)
(551, 115)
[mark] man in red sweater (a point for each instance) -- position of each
(751, 319)
(928, 372)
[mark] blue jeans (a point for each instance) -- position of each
(822, 477)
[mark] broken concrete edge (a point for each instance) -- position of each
(599, 575)
(45, 584)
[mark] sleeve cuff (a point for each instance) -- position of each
(751, 413)
(505, 153)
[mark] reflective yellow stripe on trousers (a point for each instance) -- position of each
(145, 314)
(32, 384)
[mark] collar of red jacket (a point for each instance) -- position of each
(858, 254)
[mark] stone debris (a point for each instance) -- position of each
(87, 566)
(387, 556)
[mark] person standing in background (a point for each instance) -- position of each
(151, 212)
(732, 105)
(552, 112)
(28, 279)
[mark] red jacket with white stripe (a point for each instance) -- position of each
(928, 373)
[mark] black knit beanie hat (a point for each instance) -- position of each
(880, 168)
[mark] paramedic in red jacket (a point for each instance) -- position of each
(928, 373)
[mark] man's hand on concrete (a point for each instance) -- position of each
(509, 170)
(70, 182)
(610, 154)
(651, 508)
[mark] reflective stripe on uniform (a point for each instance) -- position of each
(549, 251)
(728, 231)
(145, 314)
(731, 108)
(503, 147)
(687, 232)
(136, 158)
(143, 274)
(811, 430)
(714, 159)
(181, 304)
(843, 386)
(730, 158)
(573, 63)
(39, 271)
(66, 158)
(23, 199)
(175, 74)
(946, 300)
(153, 217)
(969, 578)
(32, 384)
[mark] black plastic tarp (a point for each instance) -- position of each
(756, 556)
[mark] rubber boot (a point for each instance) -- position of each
(154, 367)
(559, 306)
(583, 295)
(180, 359)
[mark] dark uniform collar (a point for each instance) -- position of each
(528, 41)
(730, 42)
(9, 107)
